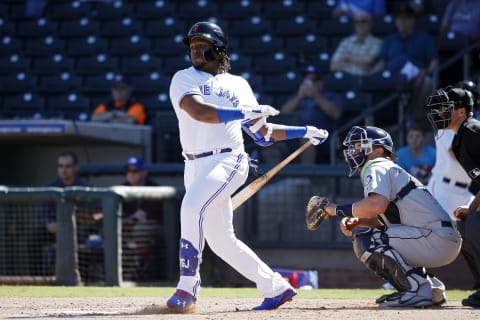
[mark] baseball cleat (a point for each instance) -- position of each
(181, 302)
(275, 302)
(472, 301)
(405, 300)
(438, 296)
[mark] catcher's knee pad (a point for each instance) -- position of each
(188, 258)
(362, 242)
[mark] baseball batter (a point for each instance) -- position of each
(399, 229)
(212, 107)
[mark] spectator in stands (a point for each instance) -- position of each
(417, 157)
(351, 8)
(412, 53)
(462, 16)
(122, 108)
(315, 107)
(44, 240)
(357, 53)
(139, 211)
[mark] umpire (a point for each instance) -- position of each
(452, 108)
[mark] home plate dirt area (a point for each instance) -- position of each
(218, 308)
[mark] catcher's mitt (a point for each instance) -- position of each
(315, 212)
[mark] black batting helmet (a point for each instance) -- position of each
(208, 31)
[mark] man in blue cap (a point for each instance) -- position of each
(316, 107)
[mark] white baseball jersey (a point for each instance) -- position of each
(446, 166)
(206, 213)
(224, 90)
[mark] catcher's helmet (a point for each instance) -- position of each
(443, 101)
(208, 31)
(359, 143)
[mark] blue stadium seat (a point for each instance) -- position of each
(240, 62)
(309, 44)
(172, 64)
(429, 23)
(281, 82)
(150, 83)
(277, 9)
(58, 83)
(340, 81)
(338, 27)
(86, 46)
(355, 103)
(9, 45)
(382, 82)
(111, 10)
(23, 105)
(43, 46)
(255, 80)
(253, 26)
(261, 44)
(17, 83)
(383, 25)
(55, 63)
(451, 42)
(164, 27)
(296, 25)
(96, 64)
(67, 10)
(40, 27)
(124, 27)
(272, 63)
(319, 10)
(155, 9)
(130, 45)
(140, 63)
(155, 102)
(14, 63)
(98, 83)
(169, 45)
(81, 27)
(197, 10)
(239, 9)
(6, 27)
(71, 105)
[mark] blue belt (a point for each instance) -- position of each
(206, 154)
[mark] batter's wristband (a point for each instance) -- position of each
(295, 132)
(229, 114)
(345, 210)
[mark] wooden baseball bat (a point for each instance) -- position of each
(247, 192)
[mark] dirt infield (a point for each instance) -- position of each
(215, 308)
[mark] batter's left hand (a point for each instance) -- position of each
(316, 136)
(461, 213)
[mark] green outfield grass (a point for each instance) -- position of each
(56, 291)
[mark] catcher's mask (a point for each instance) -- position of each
(443, 102)
(359, 144)
(211, 32)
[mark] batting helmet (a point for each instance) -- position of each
(208, 31)
(443, 101)
(359, 144)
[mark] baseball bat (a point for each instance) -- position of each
(247, 192)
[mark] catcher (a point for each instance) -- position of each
(398, 229)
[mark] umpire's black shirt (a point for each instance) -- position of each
(466, 147)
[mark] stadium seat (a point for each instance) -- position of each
(305, 44)
(340, 81)
(111, 10)
(261, 44)
(155, 102)
(17, 83)
(386, 81)
(296, 25)
(281, 82)
(163, 28)
(43, 46)
(57, 83)
(154, 9)
(40, 27)
(55, 63)
(23, 105)
(67, 10)
(130, 45)
(96, 64)
(338, 27)
(98, 84)
(71, 105)
(169, 45)
(429, 23)
(197, 10)
(6, 28)
(255, 80)
(81, 27)
(320, 10)
(277, 9)
(383, 25)
(240, 62)
(117, 28)
(253, 26)
(140, 63)
(172, 64)
(9, 45)
(86, 46)
(451, 42)
(239, 9)
(272, 63)
(14, 63)
(150, 83)
(354, 103)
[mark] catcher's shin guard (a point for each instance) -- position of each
(371, 248)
